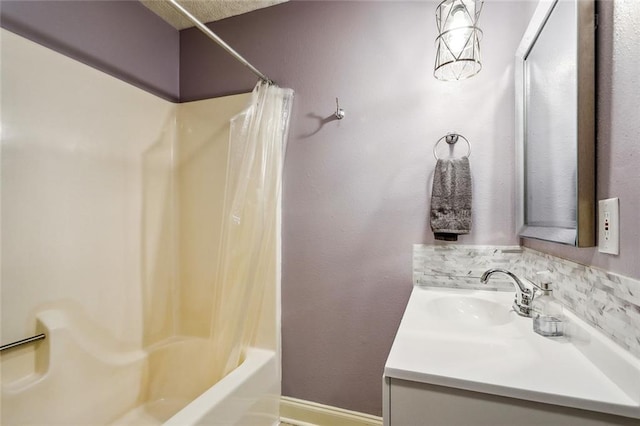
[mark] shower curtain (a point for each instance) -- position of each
(248, 245)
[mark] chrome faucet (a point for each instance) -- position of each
(524, 296)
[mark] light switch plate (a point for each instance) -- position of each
(609, 226)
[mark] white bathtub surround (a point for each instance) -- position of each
(607, 301)
(73, 142)
(111, 212)
(298, 412)
(487, 349)
(248, 395)
(74, 350)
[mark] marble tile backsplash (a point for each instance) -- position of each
(608, 301)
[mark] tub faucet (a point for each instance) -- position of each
(524, 296)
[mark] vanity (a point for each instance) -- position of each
(464, 357)
(467, 355)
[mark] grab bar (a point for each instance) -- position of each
(22, 342)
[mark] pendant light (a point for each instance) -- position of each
(458, 41)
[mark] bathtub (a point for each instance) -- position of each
(249, 395)
(82, 377)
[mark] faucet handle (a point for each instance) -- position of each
(542, 281)
(541, 286)
(529, 293)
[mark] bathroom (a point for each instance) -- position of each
(355, 192)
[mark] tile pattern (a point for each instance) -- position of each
(608, 301)
(462, 266)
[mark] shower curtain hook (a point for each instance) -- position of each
(339, 111)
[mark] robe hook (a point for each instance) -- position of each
(339, 111)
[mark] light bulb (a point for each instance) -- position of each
(459, 31)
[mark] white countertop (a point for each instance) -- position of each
(469, 339)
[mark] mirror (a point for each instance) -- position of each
(555, 124)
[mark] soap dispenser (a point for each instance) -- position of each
(547, 313)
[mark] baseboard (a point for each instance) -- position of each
(298, 412)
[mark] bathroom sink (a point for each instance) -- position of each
(468, 310)
(473, 340)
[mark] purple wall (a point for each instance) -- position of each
(618, 150)
(356, 190)
(121, 38)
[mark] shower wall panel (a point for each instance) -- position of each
(75, 195)
(201, 167)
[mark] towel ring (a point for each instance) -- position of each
(451, 139)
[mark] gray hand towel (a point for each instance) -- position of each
(451, 199)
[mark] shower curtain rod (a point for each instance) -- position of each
(213, 36)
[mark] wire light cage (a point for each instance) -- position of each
(458, 41)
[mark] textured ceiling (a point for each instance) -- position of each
(205, 10)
